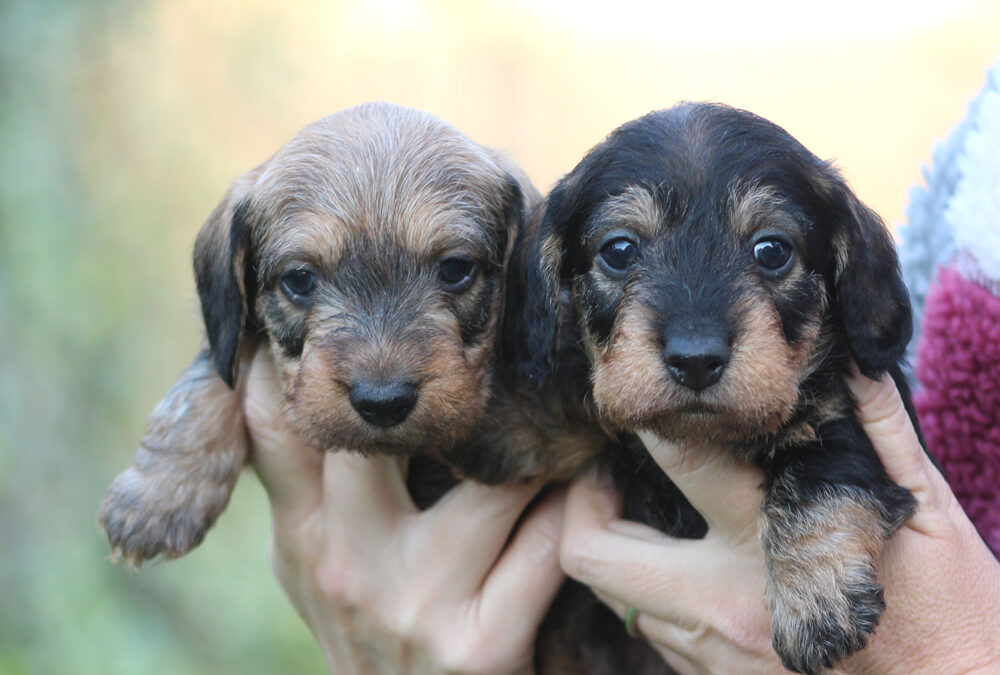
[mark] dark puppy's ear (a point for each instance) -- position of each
(531, 331)
(871, 297)
(224, 278)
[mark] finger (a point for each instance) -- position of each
(289, 469)
(642, 624)
(653, 572)
(716, 644)
(362, 494)
(888, 426)
(726, 493)
(527, 576)
(474, 521)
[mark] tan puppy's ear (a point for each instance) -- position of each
(223, 272)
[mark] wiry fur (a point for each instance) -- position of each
(370, 200)
(154, 507)
(696, 189)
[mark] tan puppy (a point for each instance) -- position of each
(369, 255)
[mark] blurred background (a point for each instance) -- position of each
(122, 124)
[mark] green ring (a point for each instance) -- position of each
(631, 615)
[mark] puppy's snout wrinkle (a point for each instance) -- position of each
(384, 404)
(696, 362)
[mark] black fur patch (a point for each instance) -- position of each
(223, 296)
(287, 326)
(474, 319)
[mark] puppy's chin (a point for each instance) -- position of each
(697, 423)
(404, 440)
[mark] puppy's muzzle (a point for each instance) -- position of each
(384, 404)
(696, 360)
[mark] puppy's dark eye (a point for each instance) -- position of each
(298, 284)
(457, 274)
(772, 253)
(620, 254)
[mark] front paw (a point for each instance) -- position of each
(148, 516)
(824, 616)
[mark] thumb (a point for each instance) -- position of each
(888, 425)
(290, 470)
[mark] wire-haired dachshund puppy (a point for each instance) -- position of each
(369, 255)
(724, 278)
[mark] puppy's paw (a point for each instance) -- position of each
(184, 470)
(148, 516)
(824, 616)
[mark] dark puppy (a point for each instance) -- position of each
(724, 278)
(369, 256)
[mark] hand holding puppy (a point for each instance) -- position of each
(384, 587)
(700, 602)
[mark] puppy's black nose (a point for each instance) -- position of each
(696, 362)
(384, 405)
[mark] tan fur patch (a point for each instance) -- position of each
(379, 171)
(756, 394)
(635, 208)
(840, 243)
(551, 261)
(749, 207)
(822, 590)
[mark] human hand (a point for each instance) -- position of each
(941, 582)
(386, 588)
(701, 602)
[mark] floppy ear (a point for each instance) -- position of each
(535, 276)
(222, 268)
(871, 297)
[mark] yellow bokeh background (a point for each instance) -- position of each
(546, 80)
(122, 123)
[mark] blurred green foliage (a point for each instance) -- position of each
(97, 316)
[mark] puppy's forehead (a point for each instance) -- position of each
(706, 160)
(636, 207)
(379, 172)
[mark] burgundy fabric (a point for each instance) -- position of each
(958, 404)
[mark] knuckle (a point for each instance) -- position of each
(544, 544)
(405, 617)
(338, 583)
(464, 656)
